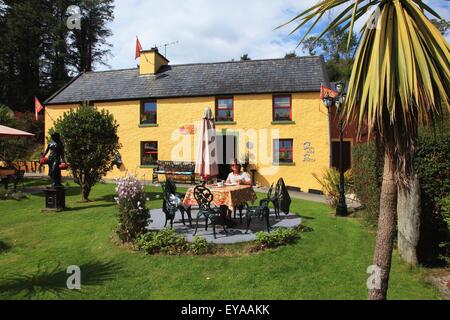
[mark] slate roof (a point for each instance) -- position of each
(302, 74)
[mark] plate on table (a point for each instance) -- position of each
(231, 184)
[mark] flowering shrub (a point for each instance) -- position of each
(133, 215)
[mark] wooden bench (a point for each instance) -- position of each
(8, 176)
(174, 169)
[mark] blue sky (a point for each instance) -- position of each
(208, 30)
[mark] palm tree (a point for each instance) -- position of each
(400, 81)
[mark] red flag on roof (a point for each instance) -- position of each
(138, 48)
(327, 92)
(37, 107)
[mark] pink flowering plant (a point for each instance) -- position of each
(133, 215)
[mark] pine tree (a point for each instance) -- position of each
(90, 45)
(21, 51)
(56, 69)
(38, 52)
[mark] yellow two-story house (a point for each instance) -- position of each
(268, 112)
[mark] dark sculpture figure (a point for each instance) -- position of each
(56, 149)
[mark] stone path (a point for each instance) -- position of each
(441, 280)
(235, 235)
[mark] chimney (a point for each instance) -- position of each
(151, 61)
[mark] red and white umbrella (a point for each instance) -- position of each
(11, 132)
(207, 159)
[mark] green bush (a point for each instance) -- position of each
(166, 241)
(9, 195)
(200, 246)
(432, 163)
(445, 208)
(433, 167)
(330, 181)
(91, 144)
(367, 177)
(277, 238)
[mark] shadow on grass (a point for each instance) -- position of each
(4, 247)
(39, 182)
(54, 281)
(106, 198)
(70, 191)
(93, 206)
(306, 217)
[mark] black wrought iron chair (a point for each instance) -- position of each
(273, 197)
(262, 212)
(172, 188)
(170, 208)
(240, 208)
(204, 197)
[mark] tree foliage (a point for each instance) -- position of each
(290, 55)
(89, 43)
(442, 25)
(333, 46)
(38, 52)
(91, 143)
(433, 167)
(15, 149)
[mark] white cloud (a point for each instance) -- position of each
(210, 30)
(207, 30)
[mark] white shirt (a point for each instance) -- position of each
(236, 178)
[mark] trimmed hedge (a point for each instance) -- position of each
(433, 167)
(432, 163)
(367, 176)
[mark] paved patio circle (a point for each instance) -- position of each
(235, 235)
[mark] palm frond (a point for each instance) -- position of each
(358, 7)
(401, 75)
(400, 80)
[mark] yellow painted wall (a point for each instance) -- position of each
(252, 112)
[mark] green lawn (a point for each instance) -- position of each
(328, 263)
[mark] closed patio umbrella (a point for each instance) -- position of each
(11, 132)
(206, 161)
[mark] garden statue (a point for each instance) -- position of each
(56, 159)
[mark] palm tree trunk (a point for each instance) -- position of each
(386, 230)
(408, 212)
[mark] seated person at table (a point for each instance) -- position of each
(238, 177)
